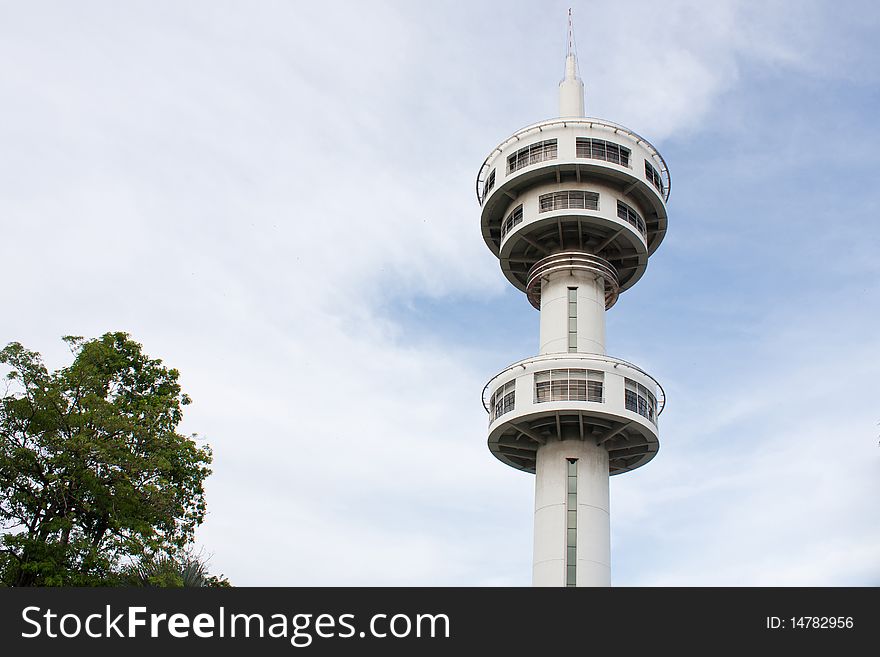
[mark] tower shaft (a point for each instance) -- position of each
(572, 313)
(571, 475)
(572, 521)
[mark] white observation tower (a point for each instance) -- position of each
(573, 207)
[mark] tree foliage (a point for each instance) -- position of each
(93, 474)
(163, 570)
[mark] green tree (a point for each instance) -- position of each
(93, 474)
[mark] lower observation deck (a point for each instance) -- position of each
(574, 396)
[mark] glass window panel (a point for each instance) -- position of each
(572, 536)
(542, 392)
(572, 519)
(571, 554)
(614, 153)
(572, 340)
(572, 484)
(578, 390)
(490, 183)
(572, 500)
(572, 324)
(654, 176)
(559, 391)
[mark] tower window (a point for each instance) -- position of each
(572, 319)
(640, 400)
(512, 220)
(503, 400)
(489, 184)
(569, 385)
(573, 199)
(599, 149)
(654, 177)
(632, 217)
(571, 524)
(543, 150)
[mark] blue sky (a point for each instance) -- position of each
(277, 199)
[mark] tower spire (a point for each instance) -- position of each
(571, 89)
(570, 34)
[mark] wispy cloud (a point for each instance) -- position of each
(263, 194)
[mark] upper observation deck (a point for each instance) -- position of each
(574, 183)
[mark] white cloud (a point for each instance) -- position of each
(244, 189)
(773, 480)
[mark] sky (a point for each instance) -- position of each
(277, 199)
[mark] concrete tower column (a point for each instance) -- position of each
(557, 311)
(553, 504)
